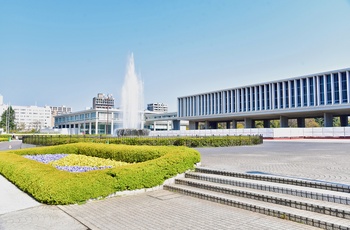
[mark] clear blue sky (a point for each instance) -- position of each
(65, 52)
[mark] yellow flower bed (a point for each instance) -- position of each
(82, 160)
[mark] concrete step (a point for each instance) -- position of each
(338, 187)
(276, 210)
(318, 206)
(307, 192)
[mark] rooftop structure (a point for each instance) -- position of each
(157, 107)
(103, 102)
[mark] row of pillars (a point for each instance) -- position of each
(250, 123)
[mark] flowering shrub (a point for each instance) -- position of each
(78, 169)
(51, 186)
(74, 162)
(82, 160)
(45, 158)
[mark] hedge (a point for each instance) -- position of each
(4, 137)
(209, 141)
(152, 166)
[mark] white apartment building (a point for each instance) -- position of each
(33, 117)
(30, 117)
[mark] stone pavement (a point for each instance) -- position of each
(317, 160)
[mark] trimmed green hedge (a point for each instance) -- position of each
(4, 137)
(209, 141)
(153, 165)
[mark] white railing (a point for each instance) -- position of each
(328, 132)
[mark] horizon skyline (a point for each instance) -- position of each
(64, 53)
(239, 86)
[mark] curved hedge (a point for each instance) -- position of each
(153, 165)
(193, 141)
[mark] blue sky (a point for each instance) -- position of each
(65, 52)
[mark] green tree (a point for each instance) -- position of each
(320, 121)
(275, 124)
(259, 124)
(8, 120)
(311, 122)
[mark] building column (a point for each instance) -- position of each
(234, 124)
(90, 128)
(96, 127)
(112, 126)
(167, 125)
(344, 121)
(267, 123)
(192, 125)
(228, 125)
(154, 125)
(283, 122)
(248, 123)
(328, 120)
(176, 125)
(301, 122)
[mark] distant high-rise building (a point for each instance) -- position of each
(1, 100)
(157, 107)
(103, 102)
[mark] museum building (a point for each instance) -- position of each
(324, 95)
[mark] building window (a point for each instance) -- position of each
(262, 97)
(298, 93)
(329, 89)
(240, 99)
(281, 94)
(292, 91)
(229, 101)
(336, 88)
(220, 102)
(244, 100)
(311, 90)
(234, 101)
(248, 95)
(304, 92)
(343, 88)
(287, 94)
(275, 93)
(321, 80)
(267, 96)
(253, 98)
(258, 98)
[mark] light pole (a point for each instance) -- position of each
(107, 120)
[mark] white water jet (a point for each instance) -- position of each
(132, 98)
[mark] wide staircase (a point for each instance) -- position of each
(320, 204)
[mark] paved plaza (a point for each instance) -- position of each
(325, 160)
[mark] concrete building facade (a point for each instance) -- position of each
(59, 110)
(91, 121)
(324, 95)
(157, 107)
(30, 117)
(164, 121)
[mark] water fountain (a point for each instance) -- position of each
(132, 103)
